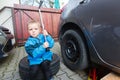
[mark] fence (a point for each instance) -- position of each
(23, 14)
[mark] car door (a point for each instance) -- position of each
(101, 18)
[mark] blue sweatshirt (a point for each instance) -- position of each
(35, 50)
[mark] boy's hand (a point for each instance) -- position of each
(46, 44)
(45, 33)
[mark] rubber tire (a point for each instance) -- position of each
(24, 68)
(74, 52)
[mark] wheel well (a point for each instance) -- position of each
(75, 27)
(72, 26)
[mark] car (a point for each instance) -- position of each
(89, 32)
(5, 42)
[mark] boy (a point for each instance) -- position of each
(35, 47)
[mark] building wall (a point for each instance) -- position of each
(8, 3)
(5, 15)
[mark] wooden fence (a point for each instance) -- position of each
(23, 14)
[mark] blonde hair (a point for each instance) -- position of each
(33, 22)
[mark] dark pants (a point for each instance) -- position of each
(45, 67)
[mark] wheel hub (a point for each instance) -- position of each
(71, 50)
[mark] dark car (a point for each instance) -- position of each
(89, 31)
(5, 41)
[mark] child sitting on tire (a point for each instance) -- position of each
(37, 49)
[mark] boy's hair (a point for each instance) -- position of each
(33, 22)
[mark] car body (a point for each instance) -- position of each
(89, 31)
(5, 41)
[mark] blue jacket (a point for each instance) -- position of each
(35, 50)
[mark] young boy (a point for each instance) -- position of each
(35, 47)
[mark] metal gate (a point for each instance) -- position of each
(23, 14)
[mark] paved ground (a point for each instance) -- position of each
(9, 66)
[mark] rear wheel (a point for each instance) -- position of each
(74, 50)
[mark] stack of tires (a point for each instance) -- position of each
(24, 68)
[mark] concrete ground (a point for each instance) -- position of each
(9, 66)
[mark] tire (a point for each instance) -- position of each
(24, 68)
(74, 52)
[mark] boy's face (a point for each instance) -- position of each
(33, 29)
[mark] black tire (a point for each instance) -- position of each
(74, 52)
(24, 68)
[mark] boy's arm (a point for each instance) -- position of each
(29, 50)
(50, 40)
(34, 50)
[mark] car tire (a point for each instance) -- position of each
(24, 68)
(74, 51)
